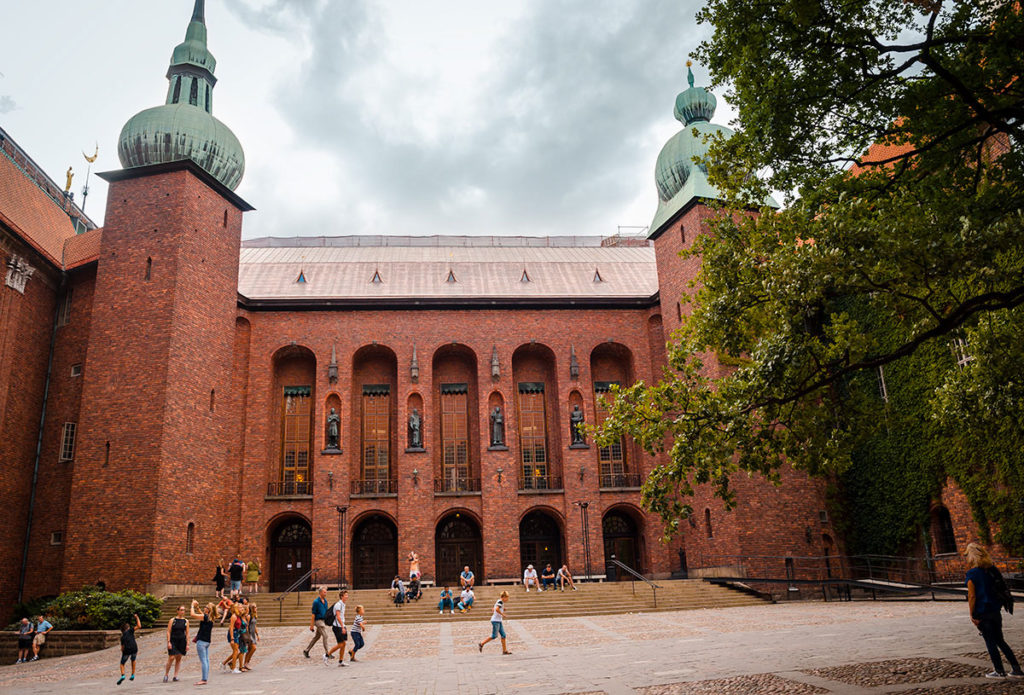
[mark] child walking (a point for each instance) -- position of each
(358, 626)
(129, 648)
(498, 624)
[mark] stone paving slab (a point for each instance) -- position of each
(914, 648)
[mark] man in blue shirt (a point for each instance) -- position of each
(39, 640)
(466, 579)
(318, 624)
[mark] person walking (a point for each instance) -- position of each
(252, 576)
(236, 571)
(25, 632)
(340, 633)
(317, 624)
(498, 624)
(358, 626)
(985, 608)
(219, 579)
(177, 642)
(234, 626)
(446, 602)
(254, 636)
(204, 635)
(42, 627)
(129, 647)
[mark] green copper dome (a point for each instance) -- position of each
(184, 127)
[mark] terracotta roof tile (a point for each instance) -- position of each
(31, 213)
(82, 248)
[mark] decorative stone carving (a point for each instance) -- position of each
(333, 430)
(415, 430)
(332, 368)
(414, 367)
(576, 427)
(574, 364)
(18, 273)
(495, 366)
(497, 427)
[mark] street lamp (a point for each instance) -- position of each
(584, 522)
(341, 544)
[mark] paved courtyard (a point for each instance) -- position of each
(804, 648)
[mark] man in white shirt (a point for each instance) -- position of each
(340, 633)
(466, 599)
(530, 577)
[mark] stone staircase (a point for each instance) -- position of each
(590, 599)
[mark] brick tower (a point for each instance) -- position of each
(156, 425)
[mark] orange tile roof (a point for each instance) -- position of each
(82, 249)
(32, 214)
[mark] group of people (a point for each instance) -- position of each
(323, 616)
(549, 578)
(237, 572)
(31, 638)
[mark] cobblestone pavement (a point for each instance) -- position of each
(841, 648)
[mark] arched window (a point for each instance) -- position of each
(177, 90)
(190, 538)
(707, 523)
(193, 95)
(942, 531)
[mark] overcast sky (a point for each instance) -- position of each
(531, 117)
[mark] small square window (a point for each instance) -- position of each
(57, 538)
(76, 370)
(823, 516)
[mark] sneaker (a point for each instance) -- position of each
(35, 658)
(440, 612)
(175, 679)
(1017, 674)
(329, 656)
(453, 612)
(326, 660)
(120, 680)
(131, 677)
(165, 679)
(574, 588)
(341, 663)
(527, 589)
(305, 653)
(20, 661)
(995, 674)
(236, 671)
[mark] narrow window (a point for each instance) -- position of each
(682, 235)
(525, 277)
(213, 396)
(302, 278)
(790, 569)
(208, 98)
(149, 269)
(533, 437)
(707, 523)
(106, 456)
(376, 279)
(612, 459)
(76, 370)
(376, 437)
(942, 531)
(190, 538)
(67, 442)
(177, 90)
(454, 437)
(451, 276)
(225, 218)
(64, 310)
(679, 311)
(193, 95)
(295, 440)
(597, 276)
(56, 538)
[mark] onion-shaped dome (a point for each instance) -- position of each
(184, 127)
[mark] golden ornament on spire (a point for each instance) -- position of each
(94, 156)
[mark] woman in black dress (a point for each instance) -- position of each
(219, 578)
(177, 642)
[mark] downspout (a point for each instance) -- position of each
(39, 441)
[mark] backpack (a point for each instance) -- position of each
(329, 618)
(1000, 590)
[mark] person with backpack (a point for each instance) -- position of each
(987, 595)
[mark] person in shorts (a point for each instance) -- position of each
(25, 633)
(466, 599)
(565, 577)
(358, 626)
(498, 624)
(340, 633)
(466, 579)
(236, 571)
(530, 579)
(42, 627)
(129, 648)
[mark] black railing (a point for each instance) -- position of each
(373, 488)
(290, 488)
(456, 485)
(310, 577)
(613, 481)
(634, 575)
(540, 482)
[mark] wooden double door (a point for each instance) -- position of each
(457, 544)
(374, 553)
(291, 554)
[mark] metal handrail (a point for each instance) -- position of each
(637, 575)
(298, 594)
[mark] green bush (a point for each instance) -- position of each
(94, 609)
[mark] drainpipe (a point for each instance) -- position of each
(39, 442)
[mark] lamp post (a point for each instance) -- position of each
(584, 522)
(341, 544)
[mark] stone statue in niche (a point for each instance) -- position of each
(415, 430)
(497, 427)
(333, 429)
(576, 426)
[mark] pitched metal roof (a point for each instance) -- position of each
(422, 271)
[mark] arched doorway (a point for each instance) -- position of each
(374, 553)
(291, 552)
(621, 539)
(457, 544)
(540, 541)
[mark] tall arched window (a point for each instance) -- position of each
(193, 96)
(942, 531)
(190, 538)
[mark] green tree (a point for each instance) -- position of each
(922, 236)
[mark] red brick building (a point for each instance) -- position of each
(332, 403)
